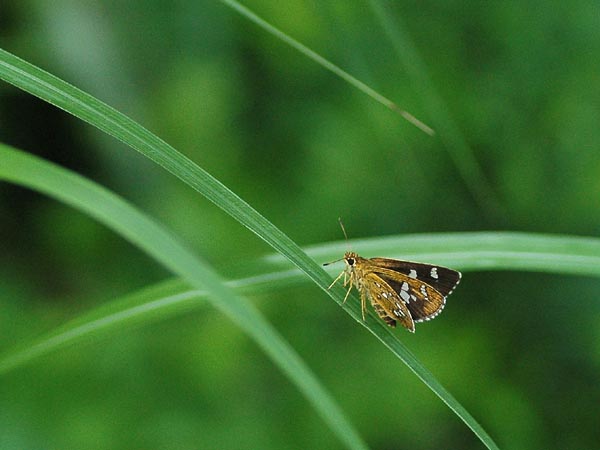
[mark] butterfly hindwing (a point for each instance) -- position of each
(422, 300)
(387, 302)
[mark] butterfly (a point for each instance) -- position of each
(399, 291)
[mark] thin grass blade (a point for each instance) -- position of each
(449, 133)
(253, 17)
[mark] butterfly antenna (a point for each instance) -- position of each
(343, 229)
(331, 262)
(345, 236)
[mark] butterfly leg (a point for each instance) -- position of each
(336, 280)
(363, 303)
(347, 294)
(346, 278)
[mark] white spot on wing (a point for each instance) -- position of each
(434, 273)
(412, 273)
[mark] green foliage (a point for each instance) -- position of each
(515, 148)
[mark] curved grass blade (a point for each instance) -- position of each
(467, 251)
(154, 303)
(110, 210)
(144, 307)
(89, 109)
(247, 13)
(82, 105)
(474, 251)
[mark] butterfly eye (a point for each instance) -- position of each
(350, 261)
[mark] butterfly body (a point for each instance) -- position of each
(399, 291)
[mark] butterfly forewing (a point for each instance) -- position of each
(440, 278)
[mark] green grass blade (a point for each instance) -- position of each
(112, 211)
(472, 251)
(155, 303)
(467, 251)
(141, 308)
(447, 130)
(82, 105)
(248, 14)
(76, 102)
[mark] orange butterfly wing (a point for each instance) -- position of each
(386, 302)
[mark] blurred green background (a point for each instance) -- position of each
(520, 351)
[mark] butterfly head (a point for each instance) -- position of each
(350, 259)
